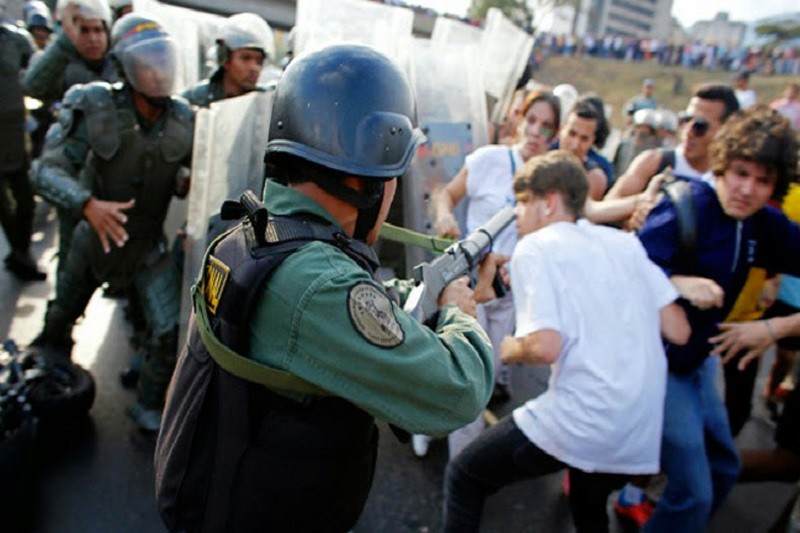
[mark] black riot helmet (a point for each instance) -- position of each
(346, 108)
(349, 111)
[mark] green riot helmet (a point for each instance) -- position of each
(350, 110)
(245, 30)
(146, 53)
(347, 108)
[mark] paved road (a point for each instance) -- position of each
(97, 476)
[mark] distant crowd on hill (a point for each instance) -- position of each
(698, 55)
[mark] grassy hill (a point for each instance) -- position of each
(617, 81)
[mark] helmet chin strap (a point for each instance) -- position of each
(368, 202)
(156, 101)
(368, 216)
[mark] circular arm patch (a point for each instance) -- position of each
(372, 315)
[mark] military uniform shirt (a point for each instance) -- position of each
(323, 318)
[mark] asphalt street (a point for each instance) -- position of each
(97, 476)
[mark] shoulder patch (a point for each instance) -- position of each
(372, 315)
(216, 276)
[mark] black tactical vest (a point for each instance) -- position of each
(128, 162)
(234, 455)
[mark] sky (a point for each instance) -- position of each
(687, 11)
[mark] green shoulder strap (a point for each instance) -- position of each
(284, 383)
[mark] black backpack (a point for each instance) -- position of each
(206, 424)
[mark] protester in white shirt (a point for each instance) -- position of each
(745, 95)
(486, 182)
(591, 304)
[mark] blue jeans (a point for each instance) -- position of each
(697, 452)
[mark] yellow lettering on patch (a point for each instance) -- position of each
(216, 277)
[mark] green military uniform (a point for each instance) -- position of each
(16, 195)
(315, 321)
(54, 72)
(60, 67)
(207, 91)
(283, 436)
(101, 148)
(211, 90)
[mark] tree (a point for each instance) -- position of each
(779, 32)
(516, 10)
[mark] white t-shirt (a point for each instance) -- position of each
(682, 166)
(747, 98)
(490, 188)
(603, 409)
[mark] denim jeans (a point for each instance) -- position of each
(697, 452)
(503, 455)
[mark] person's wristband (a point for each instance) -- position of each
(771, 331)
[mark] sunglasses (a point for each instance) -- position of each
(699, 125)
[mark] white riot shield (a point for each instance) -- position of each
(505, 50)
(320, 23)
(452, 31)
(230, 141)
(451, 110)
(194, 31)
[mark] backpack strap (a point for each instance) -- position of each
(679, 192)
(279, 381)
(667, 160)
(513, 163)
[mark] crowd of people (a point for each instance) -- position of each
(637, 280)
(783, 60)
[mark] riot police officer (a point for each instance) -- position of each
(16, 195)
(111, 162)
(77, 55)
(319, 349)
(245, 44)
(39, 22)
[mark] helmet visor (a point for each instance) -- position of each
(150, 66)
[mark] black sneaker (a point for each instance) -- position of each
(24, 267)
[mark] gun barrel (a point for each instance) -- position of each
(480, 240)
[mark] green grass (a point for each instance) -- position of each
(617, 81)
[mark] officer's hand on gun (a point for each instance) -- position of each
(107, 220)
(460, 294)
(491, 265)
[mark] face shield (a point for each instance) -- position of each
(150, 66)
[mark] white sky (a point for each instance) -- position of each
(687, 11)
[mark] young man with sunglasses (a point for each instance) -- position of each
(708, 109)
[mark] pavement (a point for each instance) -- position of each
(97, 476)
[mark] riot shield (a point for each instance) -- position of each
(194, 31)
(320, 23)
(452, 113)
(230, 140)
(452, 31)
(505, 50)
